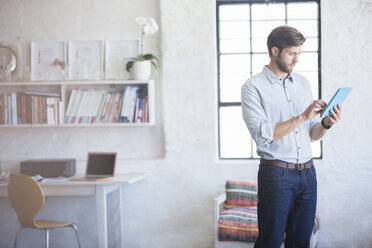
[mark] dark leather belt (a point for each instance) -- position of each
(282, 164)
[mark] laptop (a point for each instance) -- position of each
(100, 166)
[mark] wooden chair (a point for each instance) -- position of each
(27, 198)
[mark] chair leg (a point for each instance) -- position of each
(47, 238)
(15, 242)
(76, 232)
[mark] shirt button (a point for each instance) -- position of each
(289, 100)
(298, 148)
(296, 132)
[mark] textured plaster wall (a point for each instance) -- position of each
(173, 206)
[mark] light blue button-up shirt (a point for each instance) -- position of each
(268, 99)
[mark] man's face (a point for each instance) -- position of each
(288, 58)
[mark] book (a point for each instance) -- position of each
(14, 108)
(71, 104)
(76, 106)
(40, 93)
(50, 101)
(1, 109)
(24, 107)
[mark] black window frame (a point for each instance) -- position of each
(230, 104)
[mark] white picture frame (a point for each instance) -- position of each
(85, 60)
(48, 60)
(117, 54)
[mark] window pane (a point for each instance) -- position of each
(316, 149)
(235, 141)
(231, 85)
(259, 45)
(235, 46)
(308, 28)
(268, 11)
(307, 62)
(234, 29)
(234, 12)
(258, 62)
(302, 10)
(262, 29)
(236, 63)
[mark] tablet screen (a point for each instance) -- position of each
(338, 98)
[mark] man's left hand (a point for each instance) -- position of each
(330, 120)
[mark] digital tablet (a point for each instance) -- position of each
(338, 98)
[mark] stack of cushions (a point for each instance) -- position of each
(238, 220)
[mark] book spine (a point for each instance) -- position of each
(19, 109)
(14, 108)
(70, 105)
(50, 110)
(44, 109)
(146, 111)
(9, 109)
(29, 109)
(24, 114)
(1, 109)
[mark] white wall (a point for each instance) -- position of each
(173, 206)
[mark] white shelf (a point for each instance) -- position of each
(64, 88)
(71, 82)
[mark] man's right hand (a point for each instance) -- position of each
(314, 109)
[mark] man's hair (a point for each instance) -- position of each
(283, 37)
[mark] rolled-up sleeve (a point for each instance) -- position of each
(261, 130)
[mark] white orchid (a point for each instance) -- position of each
(148, 26)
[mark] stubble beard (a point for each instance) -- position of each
(282, 66)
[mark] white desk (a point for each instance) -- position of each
(100, 189)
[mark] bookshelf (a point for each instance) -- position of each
(94, 111)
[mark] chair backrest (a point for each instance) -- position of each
(26, 198)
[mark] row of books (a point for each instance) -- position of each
(100, 106)
(29, 108)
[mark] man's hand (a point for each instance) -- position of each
(330, 120)
(314, 109)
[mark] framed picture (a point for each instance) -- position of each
(85, 60)
(48, 60)
(118, 53)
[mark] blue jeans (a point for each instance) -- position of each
(286, 204)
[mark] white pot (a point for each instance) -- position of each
(141, 70)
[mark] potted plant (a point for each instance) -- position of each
(140, 67)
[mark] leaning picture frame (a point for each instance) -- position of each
(48, 60)
(117, 54)
(85, 60)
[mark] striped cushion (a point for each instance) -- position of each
(240, 194)
(238, 224)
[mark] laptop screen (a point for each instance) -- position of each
(101, 163)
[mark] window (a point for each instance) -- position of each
(242, 30)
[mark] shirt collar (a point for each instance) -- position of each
(274, 78)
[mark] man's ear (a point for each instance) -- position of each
(275, 51)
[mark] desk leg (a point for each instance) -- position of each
(101, 204)
(121, 204)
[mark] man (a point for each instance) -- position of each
(282, 118)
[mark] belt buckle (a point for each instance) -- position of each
(299, 167)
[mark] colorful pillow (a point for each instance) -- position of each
(238, 224)
(240, 194)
